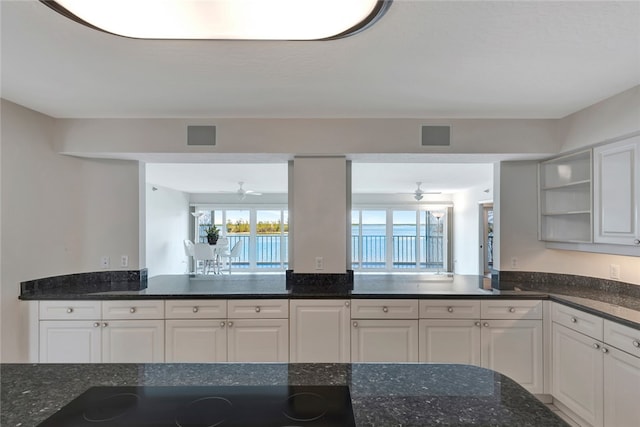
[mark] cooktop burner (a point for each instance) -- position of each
(208, 406)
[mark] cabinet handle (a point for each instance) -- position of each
(385, 309)
(512, 310)
(96, 324)
(222, 324)
(132, 310)
(477, 324)
(485, 324)
(636, 343)
(69, 310)
(605, 350)
(347, 303)
(195, 309)
(450, 309)
(355, 324)
(596, 345)
(230, 324)
(257, 309)
(574, 320)
(105, 324)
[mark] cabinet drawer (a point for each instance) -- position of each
(196, 309)
(258, 309)
(132, 309)
(511, 309)
(450, 309)
(577, 320)
(70, 310)
(384, 309)
(623, 337)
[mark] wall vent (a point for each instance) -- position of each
(201, 135)
(436, 135)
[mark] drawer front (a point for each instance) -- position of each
(450, 309)
(511, 309)
(577, 320)
(196, 309)
(622, 337)
(132, 309)
(70, 310)
(384, 309)
(258, 309)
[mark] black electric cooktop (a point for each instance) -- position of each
(193, 406)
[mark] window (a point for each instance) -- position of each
(400, 240)
(263, 232)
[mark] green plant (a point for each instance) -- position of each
(212, 231)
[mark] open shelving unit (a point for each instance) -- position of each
(565, 204)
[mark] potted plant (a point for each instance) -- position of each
(213, 233)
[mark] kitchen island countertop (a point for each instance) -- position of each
(382, 394)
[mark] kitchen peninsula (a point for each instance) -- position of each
(381, 394)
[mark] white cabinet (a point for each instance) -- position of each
(382, 340)
(591, 377)
(70, 341)
(227, 331)
(578, 373)
(133, 341)
(320, 331)
(503, 335)
(384, 330)
(616, 191)
(565, 204)
(94, 331)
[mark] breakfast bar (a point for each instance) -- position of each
(381, 394)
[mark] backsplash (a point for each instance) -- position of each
(610, 291)
(99, 281)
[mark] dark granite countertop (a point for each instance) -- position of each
(608, 303)
(382, 394)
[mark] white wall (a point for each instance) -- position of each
(59, 215)
(467, 236)
(319, 213)
(302, 136)
(167, 225)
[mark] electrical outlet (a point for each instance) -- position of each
(124, 261)
(614, 271)
(104, 261)
(514, 262)
(319, 263)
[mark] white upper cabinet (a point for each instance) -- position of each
(617, 192)
(565, 198)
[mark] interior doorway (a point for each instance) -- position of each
(487, 238)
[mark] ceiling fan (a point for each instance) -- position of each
(419, 192)
(243, 193)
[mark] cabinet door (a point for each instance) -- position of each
(320, 331)
(617, 192)
(382, 340)
(258, 340)
(450, 341)
(70, 341)
(621, 389)
(133, 341)
(198, 341)
(578, 373)
(514, 348)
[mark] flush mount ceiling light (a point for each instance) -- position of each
(225, 19)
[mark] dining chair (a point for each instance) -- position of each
(234, 253)
(220, 248)
(189, 252)
(205, 253)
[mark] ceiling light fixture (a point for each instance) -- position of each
(225, 19)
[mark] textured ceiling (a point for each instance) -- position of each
(422, 59)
